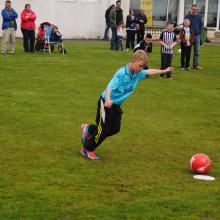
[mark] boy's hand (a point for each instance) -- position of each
(108, 103)
(169, 69)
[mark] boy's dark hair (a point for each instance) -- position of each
(118, 1)
(169, 22)
(7, 1)
(148, 35)
(194, 5)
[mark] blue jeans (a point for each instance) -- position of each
(107, 27)
(196, 51)
(114, 40)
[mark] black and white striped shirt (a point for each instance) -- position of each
(167, 38)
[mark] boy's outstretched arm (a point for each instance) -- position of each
(108, 101)
(151, 72)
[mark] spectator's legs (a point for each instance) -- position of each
(188, 54)
(128, 39)
(5, 38)
(163, 63)
(132, 39)
(142, 32)
(183, 55)
(120, 43)
(25, 39)
(32, 40)
(12, 40)
(169, 64)
(196, 51)
(106, 31)
(138, 36)
(114, 38)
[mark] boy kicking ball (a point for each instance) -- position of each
(108, 118)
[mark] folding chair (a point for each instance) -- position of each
(48, 43)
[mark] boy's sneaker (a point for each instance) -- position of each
(182, 68)
(187, 68)
(88, 154)
(85, 132)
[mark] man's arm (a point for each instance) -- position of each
(14, 14)
(151, 72)
(5, 16)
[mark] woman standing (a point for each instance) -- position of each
(28, 18)
(141, 21)
(131, 29)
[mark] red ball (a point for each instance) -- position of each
(200, 164)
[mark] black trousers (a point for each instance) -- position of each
(108, 123)
(130, 39)
(166, 61)
(140, 35)
(185, 56)
(28, 40)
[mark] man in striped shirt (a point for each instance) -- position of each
(167, 41)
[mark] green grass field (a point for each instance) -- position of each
(144, 170)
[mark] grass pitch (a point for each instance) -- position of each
(144, 170)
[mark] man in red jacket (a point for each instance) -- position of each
(28, 18)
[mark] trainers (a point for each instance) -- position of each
(187, 68)
(88, 154)
(85, 132)
(198, 68)
(182, 68)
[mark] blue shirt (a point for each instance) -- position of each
(195, 23)
(123, 84)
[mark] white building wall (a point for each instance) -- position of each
(75, 18)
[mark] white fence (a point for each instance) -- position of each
(75, 18)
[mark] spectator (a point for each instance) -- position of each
(120, 35)
(141, 21)
(186, 41)
(145, 45)
(131, 29)
(9, 26)
(28, 18)
(56, 36)
(196, 26)
(115, 16)
(107, 21)
(167, 41)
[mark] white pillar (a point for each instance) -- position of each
(218, 15)
(181, 12)
(206, 12)
(168, 4)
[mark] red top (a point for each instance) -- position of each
(27, 20)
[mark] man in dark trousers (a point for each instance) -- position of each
(196, 26)
(115, 17)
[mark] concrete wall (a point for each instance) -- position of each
(75, 18)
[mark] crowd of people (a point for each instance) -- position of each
(135, 25)
(28, 27)
(187, 36)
